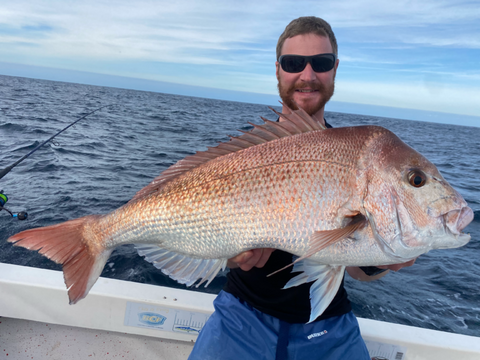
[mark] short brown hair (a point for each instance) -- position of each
(307, 25)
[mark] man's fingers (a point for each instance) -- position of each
(240, 259)
(397, 267)
(252, 260)
(264, 258)
(249, 259)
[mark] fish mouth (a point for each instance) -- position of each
(457, 220)
(454, 222)
(461, 240)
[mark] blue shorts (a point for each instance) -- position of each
(236, 331)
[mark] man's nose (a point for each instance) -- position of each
(308, 74)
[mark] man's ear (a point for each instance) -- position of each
(277, 69)
(335, 68)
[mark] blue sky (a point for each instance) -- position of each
(421, 55)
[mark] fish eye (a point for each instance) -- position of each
(417, 178)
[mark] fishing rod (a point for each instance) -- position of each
(3, 198)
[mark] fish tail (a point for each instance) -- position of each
(72, 244)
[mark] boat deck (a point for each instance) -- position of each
(25, 339)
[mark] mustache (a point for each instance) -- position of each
(304, 85)
(287, 92)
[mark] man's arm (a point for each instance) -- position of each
(259, 257)
(358, 274)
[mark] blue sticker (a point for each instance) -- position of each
(186, 329)
(151, 318)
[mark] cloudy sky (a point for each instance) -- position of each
(422, 55)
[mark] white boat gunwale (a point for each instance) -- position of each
(40, 295)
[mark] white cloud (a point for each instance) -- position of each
(234, 43)
(455, 40)
(389, 14)
(157, 31)
(200, 32)
(423, 95)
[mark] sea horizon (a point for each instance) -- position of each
(130, 83)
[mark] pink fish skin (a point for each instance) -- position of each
(337, 197)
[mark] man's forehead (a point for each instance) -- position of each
(309, 42)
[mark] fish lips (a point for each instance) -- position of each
(453, 212)
(454, 222)
(457, 220)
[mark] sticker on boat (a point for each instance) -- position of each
(152, 316)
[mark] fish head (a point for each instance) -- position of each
(410, 206)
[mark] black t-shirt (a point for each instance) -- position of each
(267, 294)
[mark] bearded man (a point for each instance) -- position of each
(255, 318)
(298, 82)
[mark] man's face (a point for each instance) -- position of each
(310, 90)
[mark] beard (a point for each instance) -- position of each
(286, 94)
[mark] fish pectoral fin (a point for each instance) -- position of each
(184, 269)
(319, 240)
(327, 280)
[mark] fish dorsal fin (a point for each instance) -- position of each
(302, 120)
(297, 122)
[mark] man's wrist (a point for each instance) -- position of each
(372, 270)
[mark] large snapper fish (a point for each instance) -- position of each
(353, 196)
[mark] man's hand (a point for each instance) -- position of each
(397, 267)
(358, 274)
(249, 259)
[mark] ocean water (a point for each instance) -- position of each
(99, 164)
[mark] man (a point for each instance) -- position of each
(255, 318)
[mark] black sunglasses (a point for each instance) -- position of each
(296, 63)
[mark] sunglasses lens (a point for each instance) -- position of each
(323, 63)
(293, 63)
(296, 63)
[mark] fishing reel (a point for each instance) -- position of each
(3, 200)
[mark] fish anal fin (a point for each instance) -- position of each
(181, 268)
(323, 290)
(70, 245)
(327, 280)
